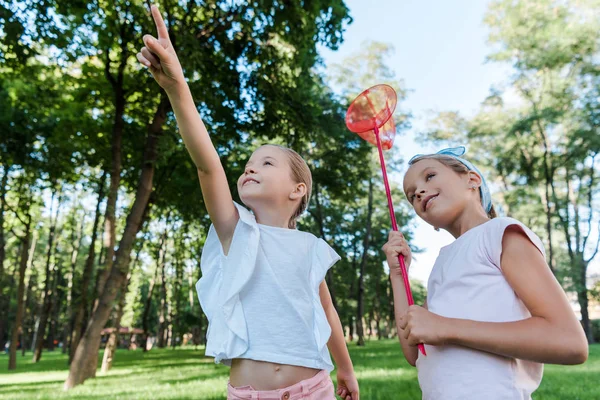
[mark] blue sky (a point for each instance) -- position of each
(441, 56)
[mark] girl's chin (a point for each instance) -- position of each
(435, 222)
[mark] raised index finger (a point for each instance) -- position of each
(161, 28)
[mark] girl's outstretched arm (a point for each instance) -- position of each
(160, 57)
(346, 379)
(551, 335)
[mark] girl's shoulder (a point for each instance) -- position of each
(496, 227)
(493, 235)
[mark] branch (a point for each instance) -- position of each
(124, 50)
(590, 197)
(597, 246)
(191, 4)
(15, 212)
(20, 237)
(564, 220)
(107, 73)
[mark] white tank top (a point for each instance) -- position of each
(262, 299)
(467, 282)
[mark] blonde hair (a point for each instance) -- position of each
(454, 165)
(300, 174)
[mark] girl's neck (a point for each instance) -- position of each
(272, 216)
(469, 219)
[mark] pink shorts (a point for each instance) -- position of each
(319, 387)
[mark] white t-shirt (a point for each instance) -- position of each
(467, 283)
(262, 299)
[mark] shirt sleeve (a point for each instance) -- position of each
(494, 236)
(223, 278)
(323, 258)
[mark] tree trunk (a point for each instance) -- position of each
(170, 341)
(88, 270)
(549, 227)
(115, 168)
(162, 317)
(191, 288)
(147, 305)
(3, 300)
(361, 276)
(576, 244)
(176, 319)
(29, 294)
(549, 181)
(582, 299)
(58, 293)
(48, 285)
(350, 328)
(377, 313)
(113, 339)
(84, 362)
(201, 331)
(76, 237)
(17, 327)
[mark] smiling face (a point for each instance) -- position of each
(438, 193)
(270, 180)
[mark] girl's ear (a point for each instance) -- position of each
(299, 191)
(474, 180)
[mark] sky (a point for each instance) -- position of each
(440, 54)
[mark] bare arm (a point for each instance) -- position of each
(347, 384)
(551, 335)
(396, 246)
(411, 352)
(160, 57)
(213, 182)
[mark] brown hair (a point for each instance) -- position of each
(300, 174)
(454, 165)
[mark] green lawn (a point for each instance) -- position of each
(185, 374)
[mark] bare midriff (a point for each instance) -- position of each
(263, 375)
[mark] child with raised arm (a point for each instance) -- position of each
(270, 313)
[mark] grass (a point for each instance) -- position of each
(185, 374)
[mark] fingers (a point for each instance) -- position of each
(156, 47)
(150, 57)
(343, 392)
(143, 60)
(396, 246)
(395, 235)
(397, 250)
(161, 28)
(395, 239)
(403, 322)
(414, 341)
(392, 253)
